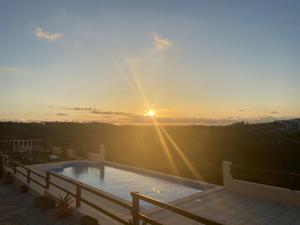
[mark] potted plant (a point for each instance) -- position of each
(88, 220)
(63, 208)
(24, 188)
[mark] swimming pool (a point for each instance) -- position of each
(120, 182)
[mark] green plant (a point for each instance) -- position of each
(63, 207)
(64, 201)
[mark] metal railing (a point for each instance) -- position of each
(269, 177)
(134, 208)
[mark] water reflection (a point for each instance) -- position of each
(82, 171)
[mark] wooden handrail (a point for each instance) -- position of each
(172, 209)
(13, 165)
(116, 201)
(136, 197)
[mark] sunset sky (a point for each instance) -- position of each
(194, 61)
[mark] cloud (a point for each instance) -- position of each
(160, 42)
(61, 114)
(274, 112)
(9, 69)
(42, 34)
(132, 115)
(79, 108)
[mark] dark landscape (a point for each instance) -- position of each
(270, 146)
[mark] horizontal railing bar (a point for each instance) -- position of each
(149, 220)
(35, 181)
(18, 171)
(15, 162)
(176, 210)
(63, 189)
(38, 174)
(106, 212)
(63, 178)
(128, 206)
(20, 165)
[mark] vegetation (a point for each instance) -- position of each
(63, 207)
(267, 146)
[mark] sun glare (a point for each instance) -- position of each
(150, 113)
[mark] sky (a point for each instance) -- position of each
(190, 62)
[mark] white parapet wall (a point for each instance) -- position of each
(272, 193)
(72, 153)
(96, 156)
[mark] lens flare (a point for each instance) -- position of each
(150, 113)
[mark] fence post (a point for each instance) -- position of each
(15, 168)
(47, 179)
(28, 176)
(78, 195)
(135, 208)
(1, 164)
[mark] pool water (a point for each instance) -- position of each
(121, 182)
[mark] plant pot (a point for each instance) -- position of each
(88, 220)
(24, 188)
(63, 211)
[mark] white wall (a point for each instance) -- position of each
(272, 193)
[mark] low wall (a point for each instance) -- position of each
(96, 156)
(57, 150)
(272, 193)
(72, 153)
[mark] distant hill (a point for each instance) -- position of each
(270, 145)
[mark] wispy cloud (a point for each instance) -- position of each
(132, 115)
(42, 34)
(160, 42)
(80, 108)
(9, 69)
(61, 114)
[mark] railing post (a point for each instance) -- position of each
(1, 164)
(135, 210)
(28, 176)
(78, 195)
(47, 179)
(15, 168)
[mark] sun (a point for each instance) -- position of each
(150, 113)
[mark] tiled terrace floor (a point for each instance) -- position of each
(234, 209)
(229, 208)
(17, 209)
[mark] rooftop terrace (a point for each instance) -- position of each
(218, 204)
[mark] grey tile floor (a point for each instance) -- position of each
(17, 209)
(232, 208)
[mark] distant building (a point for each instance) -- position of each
(13, 146)
(291, 125)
